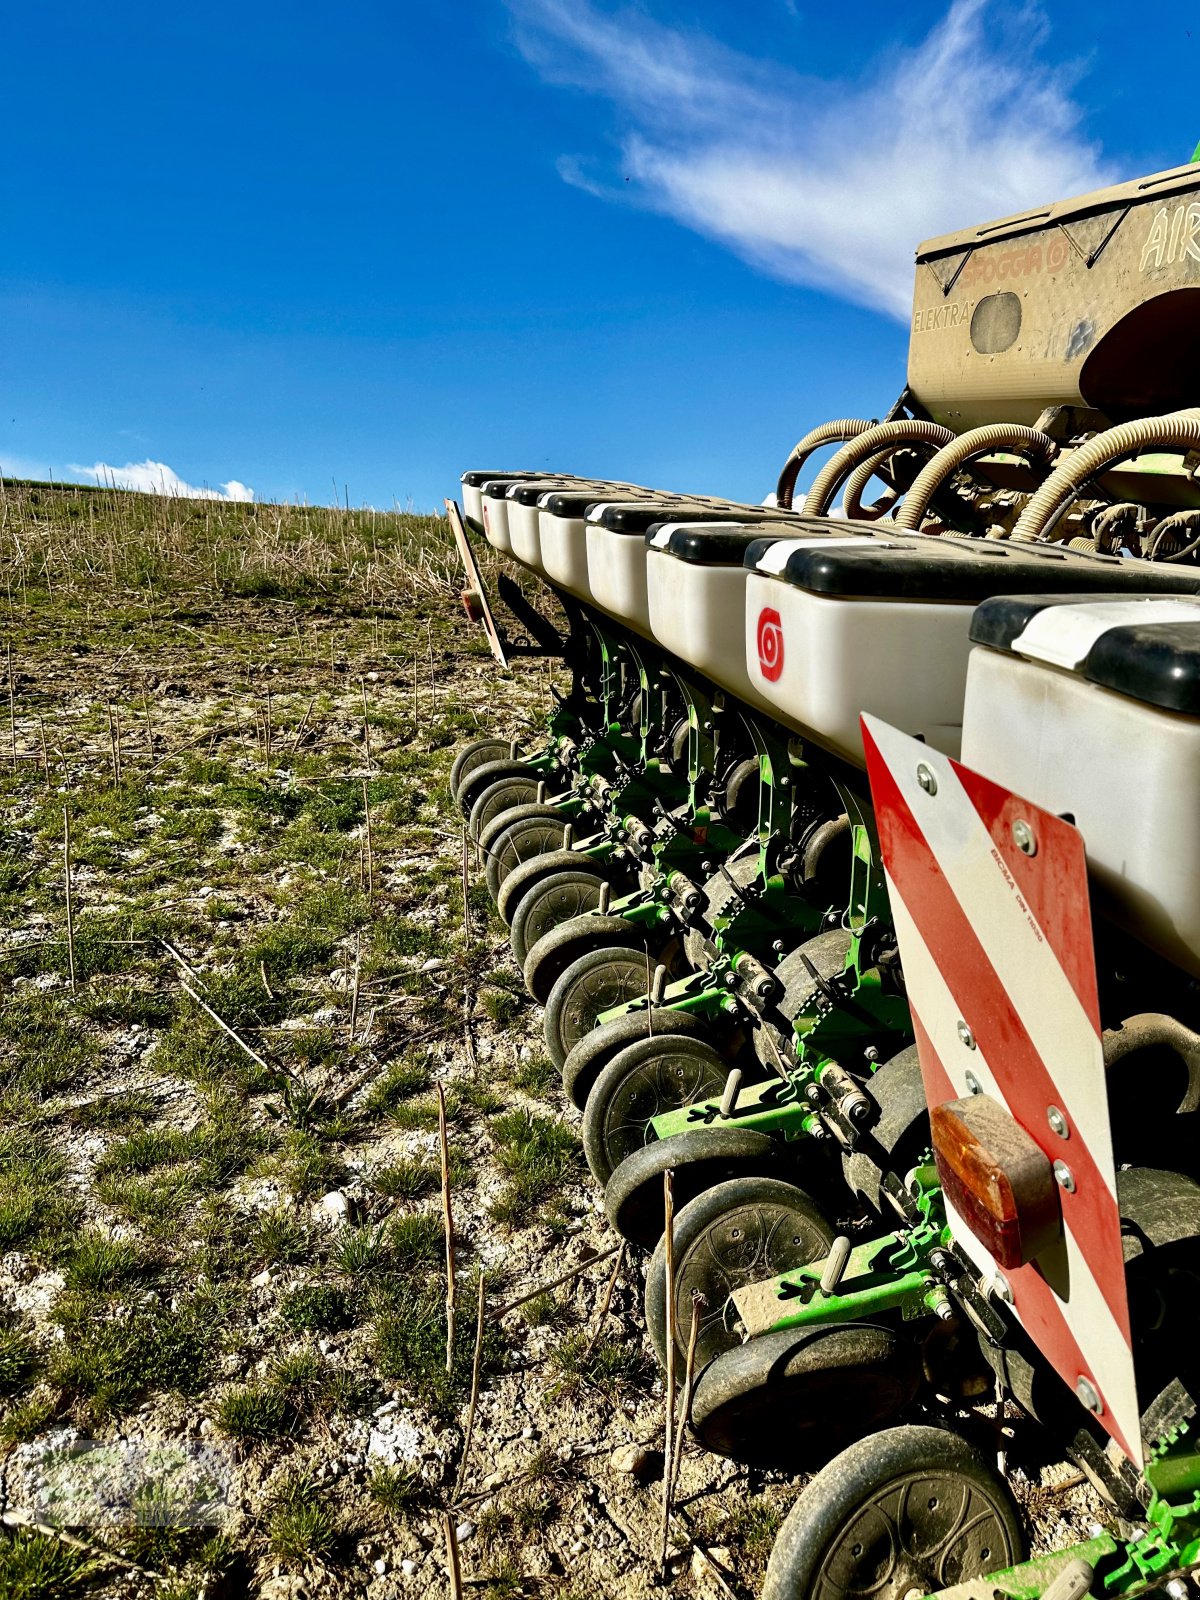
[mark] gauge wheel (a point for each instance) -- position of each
(648, 1077)
(523, 878)
(789, 1397)
(562, 946)
(488, 772)
(741, 1232)
(474, 755)
(910, 1510)
(633, 1196)
(518, 836)
(498, 797)
(551, 904)
(587, 1059)
(595, 983)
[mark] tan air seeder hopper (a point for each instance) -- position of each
(1091, 303)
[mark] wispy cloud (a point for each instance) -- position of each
(822, 182)
(155, 477)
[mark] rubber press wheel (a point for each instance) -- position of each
(653, 1075)
(499, 797)
(487, 773)
(633, 1196)
(595, 983)
(790, 1397)
(912, 1510)
(587, 1059)
(569, 941)
(549, 905)
(474, 755)
(741, 1232)
(518, 836)
(530, 873)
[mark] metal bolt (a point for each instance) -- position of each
(1001, 1288)
(1058, 1123)
(730, 979)
(1089, 1395)
(973, 1084)
(1023, 837)
(967, 1037)
(785, 782)
(1064, 1177)
(777, 946)
(1178, 1589)
(926, 778)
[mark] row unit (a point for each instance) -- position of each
(1071, 678)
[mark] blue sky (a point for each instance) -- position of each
(283, 247)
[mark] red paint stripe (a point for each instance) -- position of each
(1038, 1308)
(1091, 1212)
(1042, 1316)
(1048, 882)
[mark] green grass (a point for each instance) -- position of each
(301, 1528)
(539, 1155)
(255, 1412)
(397, 1490)
(34, 1566)
(609, 1366)
(317, 1308)
(107, 1365)
(106, 1265)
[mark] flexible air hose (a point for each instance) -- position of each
(836, 470)
(858, 480)
(964, 448)
(828, 433)
(1179, 430)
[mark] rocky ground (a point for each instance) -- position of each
(237, 968)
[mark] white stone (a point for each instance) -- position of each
(335, 1203)
(464, 1531)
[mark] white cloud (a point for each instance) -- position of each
(822, 182)
(155, 477)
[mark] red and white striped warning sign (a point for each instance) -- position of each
(990, 900)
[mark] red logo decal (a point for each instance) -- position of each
(770, 644)
(486, 524)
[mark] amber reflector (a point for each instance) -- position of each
(996, 1177)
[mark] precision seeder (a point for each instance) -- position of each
(858, 874)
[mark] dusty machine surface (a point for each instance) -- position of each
(856, 874)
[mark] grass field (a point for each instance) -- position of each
(235, 965)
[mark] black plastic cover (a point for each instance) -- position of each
(716, 547)
(638, 519)
(1156, 662)
(476, 480)
(967, 571)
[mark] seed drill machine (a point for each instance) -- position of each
(858, 873)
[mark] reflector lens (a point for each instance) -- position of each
(998, 1180)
